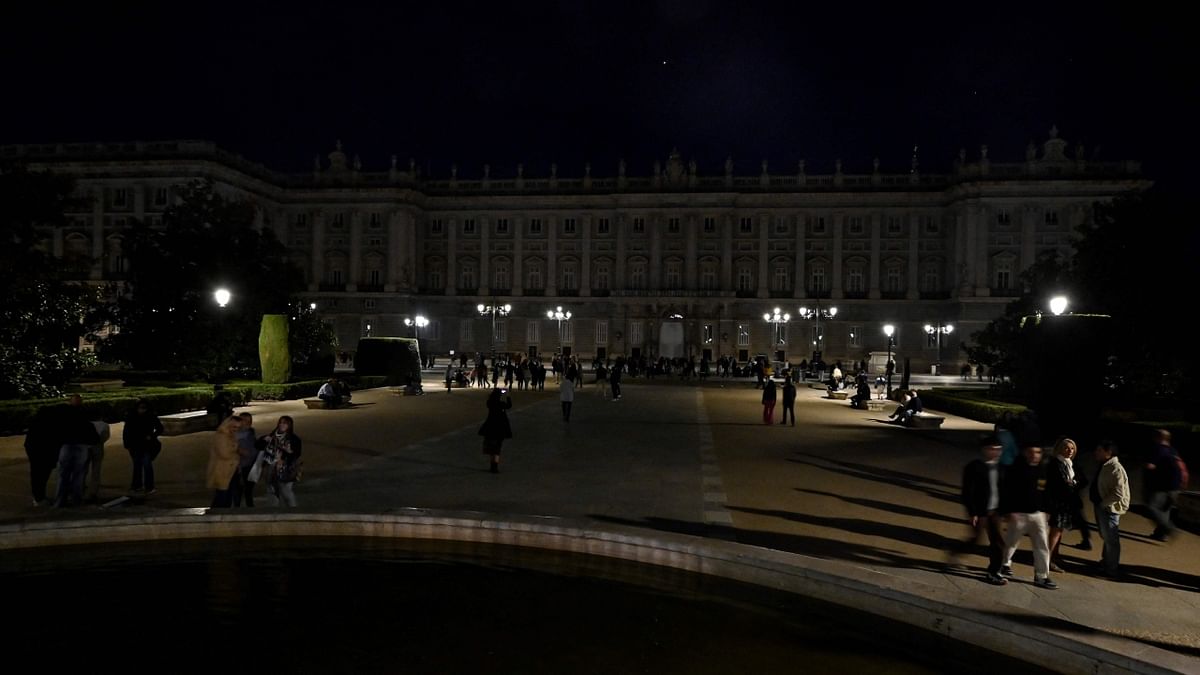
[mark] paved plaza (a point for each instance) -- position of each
(842, 485)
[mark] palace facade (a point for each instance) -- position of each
(674, 263)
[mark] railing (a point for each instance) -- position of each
(746, 293)
(787, 293)
(534, 292)
(601, 292)
(568, 292)
(370, 288)
(893, 295)
(329, 287)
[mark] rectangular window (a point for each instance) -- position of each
(501, 331)
(335, 276)
(121, 196)
(818, 224)
(434, 330)
(466, 333)
(568, 226)
(930, 223)
(533, 332)
(1052, 217)
(568, 278)
(1003, 279)
(436, 226)
(743, 336)
(893, 280)
(601, 277)
(856, 225)
(376, 278)
(639, 225)
(710, 224)
(602, 331)
(535, 226)
(375, 241)
(375, 222)
(746, 225)
(301, 220)
(368, 304)
(854, 339)
(602, 226)
(781, 225)
(745, 279)
(160, 197)
(673, 276)
(339, 220)
(635, 332)
(1003, 217)
(855, 283)
(469, 226)
(673, 225)
(568, 332)
(894, 224)
(502, 226)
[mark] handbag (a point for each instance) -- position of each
(256, 470)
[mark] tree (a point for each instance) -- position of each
(166, 313)
(42, 317)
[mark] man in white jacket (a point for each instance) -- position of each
(1110, 498)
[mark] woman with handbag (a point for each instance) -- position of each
(281, 461)
(1060, 497)
(140, 437)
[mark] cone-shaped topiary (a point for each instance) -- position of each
(273, 354)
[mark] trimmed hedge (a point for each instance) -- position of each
(969, 403)
(114, 406)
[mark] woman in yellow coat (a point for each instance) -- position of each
(223, 461)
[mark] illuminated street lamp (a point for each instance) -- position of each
(816, 314)
(222, 297)
(559, 315)
(1058, 305)
(778, 320)
(417, 324)
(494, 310)
(940, 329)
(890, 331)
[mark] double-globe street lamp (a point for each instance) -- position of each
(939, 330)
(559, 315)
(778, 320)
(417, 324)
(816, 314)
(890, 331)
(494, 309)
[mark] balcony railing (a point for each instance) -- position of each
(331, 287)
(746, 293)
(781, 294)
(601, 292)
(370, 288)
(533, 292)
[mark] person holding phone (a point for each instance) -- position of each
(496, 427)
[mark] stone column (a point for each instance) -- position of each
(980, 251)
(689, 263)
(356, 227)
(585, 260)
(485, 279)
(727, 254)
(800, 282)
(1028, 237)
(913, 292)
(874, 221)
(836, 282)
(395, 250)
(618, 282)
(764, 254)
(97, 270)
(451, 257)
(318, 251)
(552, 254)
(655, 270)
(518, 281)
(410, 271)
(961, 274)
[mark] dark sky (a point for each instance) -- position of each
(570, 81)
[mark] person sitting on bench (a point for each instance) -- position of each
(329, 394)
(912, 405)
(863, 394)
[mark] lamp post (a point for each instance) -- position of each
(816, 313)
(559, 315)
(939, 330)
(494, 309)
(890, 331)
(778, 320)
(417, 324)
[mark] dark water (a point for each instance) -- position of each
(334, 606)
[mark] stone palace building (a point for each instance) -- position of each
(674, 263)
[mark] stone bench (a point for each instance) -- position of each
(838, 395)
(876, 404)
(187, 422)
(317, 404)
(924, 420)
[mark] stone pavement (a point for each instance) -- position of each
(842, 485)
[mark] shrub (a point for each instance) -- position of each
(968, 403)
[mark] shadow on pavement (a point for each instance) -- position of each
(929, 486)
(885, 506)
(870, 528)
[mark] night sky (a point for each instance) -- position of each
(567, 82)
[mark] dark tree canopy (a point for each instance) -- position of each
(166, 313)
(42, 318)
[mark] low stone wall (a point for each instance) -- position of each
(931, 608)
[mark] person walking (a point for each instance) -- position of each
(77, 434)
(495, 428)
(789, 401)
(247, 446)
(566, 394)
(1022, 494)
(42, 446)
(223, 462)
(981, 497)
(95, 461)
(602, 380)
(1163, 481)
(140, 438)
(768, 401)
(282, 461)
(1061, 495)
(1110, 500)
(614, 379)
